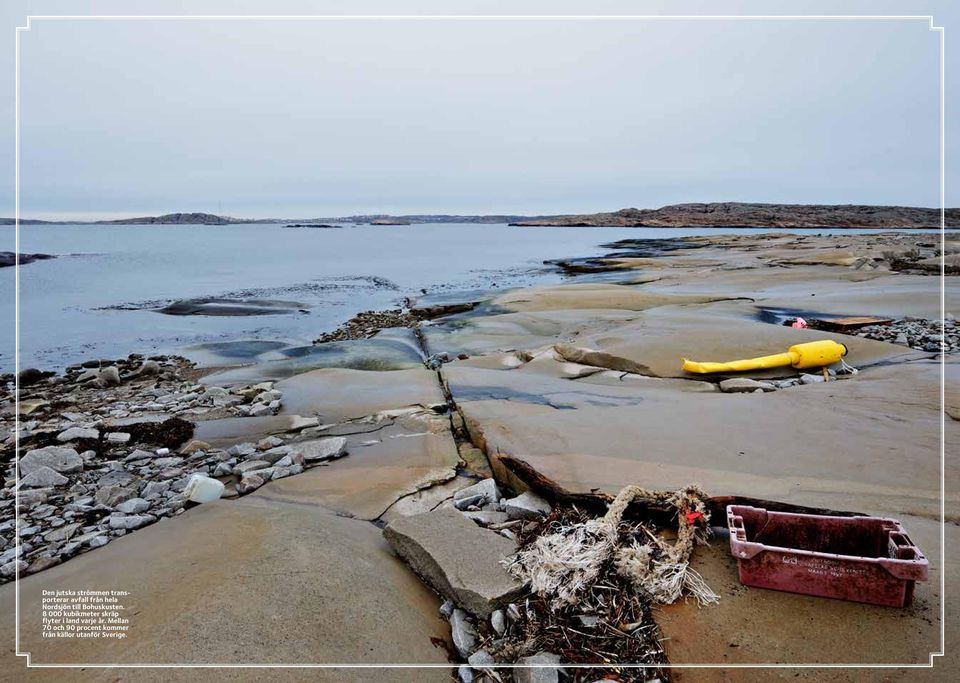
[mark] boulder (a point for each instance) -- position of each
(57, 458)
(42, 477)
(527, 505)
(319, 449)
(458, 558)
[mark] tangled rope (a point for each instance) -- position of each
(565, 563)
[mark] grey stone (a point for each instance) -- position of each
(108, 377)
(148, 368)
(140, 454)
(74, 433)
(250, 482)
(487, 517)
(259, 410)
(114, 494)
(465, 674)
(118, 437)
(268, 443)
(42, 477)
(527, 505)
(462, 632)
(298, 422)
(117, 521)
(57, 458)
(744, 385)
(155, 488)
(35, 496)
(117, 476)
(62, 533)
(458, 558)
(9, 569)
(498, 620)
(275, 454)
(811, 379)
(481, 659)
(12, 553)
(250, 466)
(319, 449)
(242, 450)
(98, 541)
(544, 668)
(478, 494)
(133, 506)
(446, 609)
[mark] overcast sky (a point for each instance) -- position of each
(304, 118)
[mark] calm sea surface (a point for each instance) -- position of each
(84, 304)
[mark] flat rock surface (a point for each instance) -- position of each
(382, 466)
(245, 581)
(457, 557)
(337, 394)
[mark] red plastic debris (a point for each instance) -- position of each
(863, 559)
(693, 517)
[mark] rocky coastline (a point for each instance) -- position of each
(397, 493)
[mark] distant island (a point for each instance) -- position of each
(717, 214)
(734, 214)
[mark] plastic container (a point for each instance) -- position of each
(863, 559)
(203, 489)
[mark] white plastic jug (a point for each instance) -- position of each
(203, 489)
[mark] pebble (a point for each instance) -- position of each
(917, 333)
(498, 621)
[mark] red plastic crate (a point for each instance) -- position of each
(864, 559)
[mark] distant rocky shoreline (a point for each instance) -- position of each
(733, 214)
(700, 215)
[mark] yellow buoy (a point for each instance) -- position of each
(801, 356)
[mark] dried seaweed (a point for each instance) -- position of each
(610, 624)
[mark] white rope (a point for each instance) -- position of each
(846, 368)
(563, 564)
